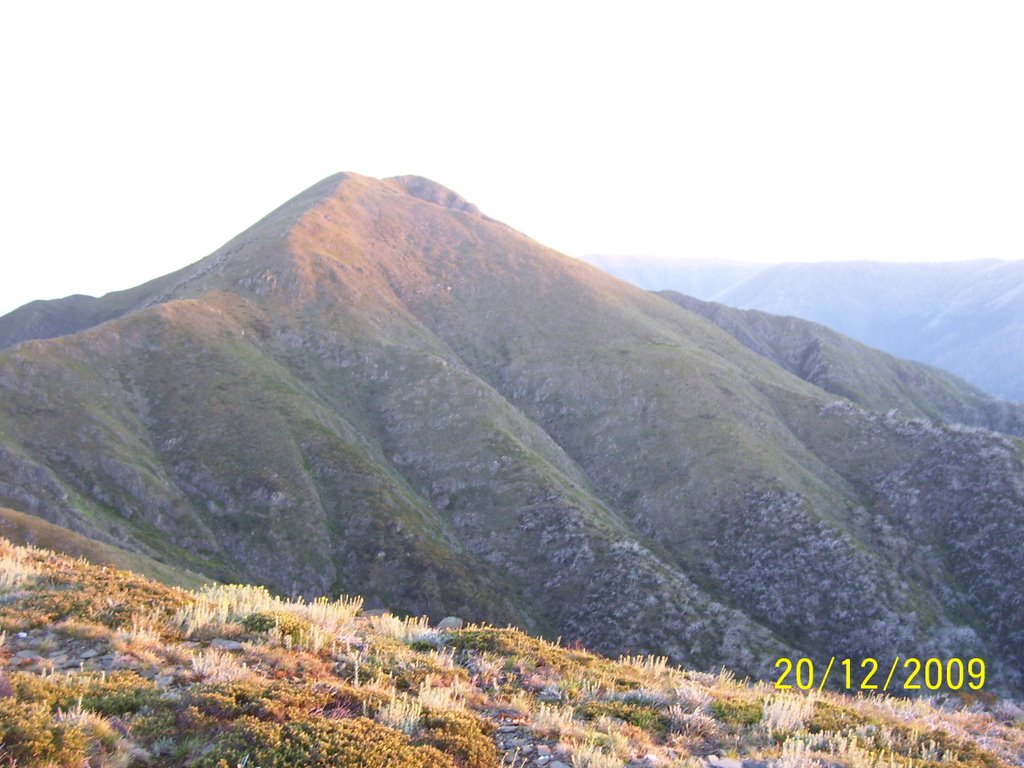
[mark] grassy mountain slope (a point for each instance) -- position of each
(59, 317)
(873, 379)
(23, 529)
(100, 667)
(49, 319)
(377, 389)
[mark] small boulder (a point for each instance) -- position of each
(225, 645)
(450, 622)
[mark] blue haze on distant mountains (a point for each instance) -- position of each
(966, 317)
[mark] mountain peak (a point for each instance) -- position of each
(432, 192)
(372, 390)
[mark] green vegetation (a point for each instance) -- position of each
(319, 744)
(737, 713)
(464, 736)
(372, 392)
(169, 689)
(20, 528)
(292, 627)
(31, 736)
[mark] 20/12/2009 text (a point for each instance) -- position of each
(915, 674)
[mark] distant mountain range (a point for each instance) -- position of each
(379, 390)
(966, 317)
(701, 278)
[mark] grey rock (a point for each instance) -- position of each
(225, 645)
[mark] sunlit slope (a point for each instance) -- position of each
(20, 528)
(170, 432)
(379, 389)
(104, 668)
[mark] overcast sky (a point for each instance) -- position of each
(137, 138)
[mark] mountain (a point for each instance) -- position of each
(107, 669)
(966, 317)
(379, 390)
(702, 278)
(29, 530)
(871, 378)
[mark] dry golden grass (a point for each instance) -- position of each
(232, 664)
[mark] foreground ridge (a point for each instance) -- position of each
(103, 667)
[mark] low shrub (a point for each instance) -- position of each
(30, 736)
(288, 625)
(463, 735)
(278, 701)
(643, 716)
(736, 711)
(318, 743)
(831, 718)
(118, 693)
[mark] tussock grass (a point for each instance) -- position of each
(324, 620)
(233, 674)
(402, 713)
(413, 629)
(589, 755)
(218, 666)
(17, 569)
(787, 713)
(556, 721)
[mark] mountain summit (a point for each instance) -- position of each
(432, 192)
(376, 389)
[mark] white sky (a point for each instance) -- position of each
(136, 138)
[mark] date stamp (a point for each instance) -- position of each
(904, 674)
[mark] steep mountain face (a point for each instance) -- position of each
(377, 389)
(873, 379)
(966, 317)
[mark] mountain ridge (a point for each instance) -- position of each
(963, 317)
(372, 392)
(871, 378)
